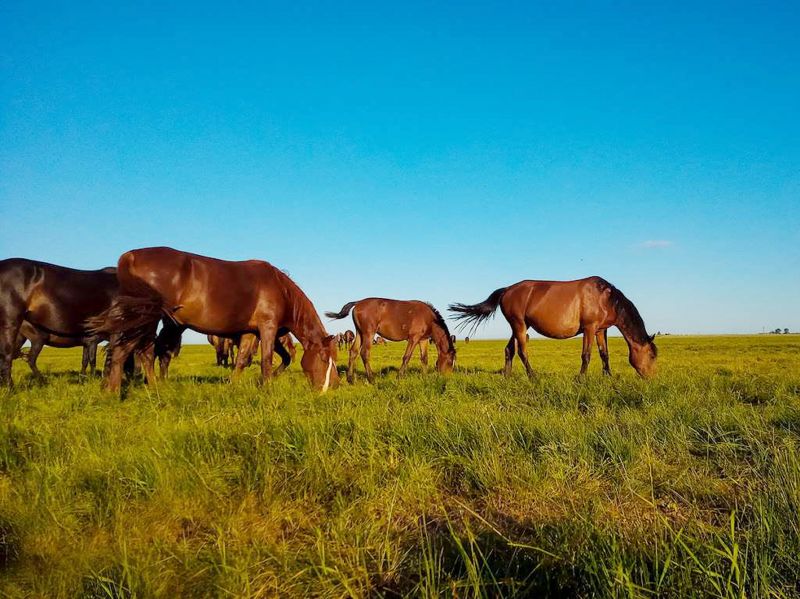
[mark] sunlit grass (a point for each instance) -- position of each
(470, 485)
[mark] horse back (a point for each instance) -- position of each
(56, 298)
(204, 293)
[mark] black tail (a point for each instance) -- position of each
(341, 313)
(128, 320)
(475, 314)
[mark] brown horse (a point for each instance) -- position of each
(564, 309)
(397, 320)
(38, 339)
(379, 340)
(55, 300)
(215, 297)
(349, 337)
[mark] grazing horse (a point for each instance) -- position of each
(564, 309)
(284, 347)
(38, 339)
(55, 300)
(379, 340)
(223, 346)
(397, 320)
(349, 337)
(215, 297)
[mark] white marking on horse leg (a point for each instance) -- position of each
(327, 376)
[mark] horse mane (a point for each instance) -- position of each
(439, 319)
(302, 308)
(628, 316)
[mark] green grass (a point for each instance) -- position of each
(470, 485)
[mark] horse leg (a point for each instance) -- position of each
(511, 348)
(366, 345)
(167, 345)
(10, 321)
(586, 353)
(85, 358)
(93, 355)
(286, 359)
(117, 357)
(245, 356)
(147, 358)
(355, 346)
(412, 344)
(423, 355)
(602, 347)
(37, 345)
(146, 352)
(520, 331)
(268, 333)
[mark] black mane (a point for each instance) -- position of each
(628, 316)
(440, 321)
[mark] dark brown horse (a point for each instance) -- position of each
(349, 337)
(564, 309)
(55, 300)
(215, 297)
(397, 320)
(38, 339)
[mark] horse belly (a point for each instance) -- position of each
(211, 322)
(555, 319)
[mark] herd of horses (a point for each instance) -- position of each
(252, 306)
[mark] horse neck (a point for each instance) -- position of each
(306, 325)
(440, 338)
(630, 332)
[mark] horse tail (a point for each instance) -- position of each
(128, 320)
(473, 315)
(341, 313)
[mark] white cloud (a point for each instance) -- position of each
(656, 244)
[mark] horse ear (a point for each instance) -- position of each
(652, 338)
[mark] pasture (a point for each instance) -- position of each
(467, 485)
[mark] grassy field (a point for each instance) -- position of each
(470, 485)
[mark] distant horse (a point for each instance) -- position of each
(379, 340)
(564, 309)
(339, 338)
(453, 340)
(55, 300)
(284, 347)
(397, 320)
(349, 337)
(223, 347)
(215, 297)
(38, 339)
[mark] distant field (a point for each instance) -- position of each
(470, 485)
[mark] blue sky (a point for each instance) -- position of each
(415, 150)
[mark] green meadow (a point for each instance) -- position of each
(469, 485)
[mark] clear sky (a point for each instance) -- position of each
(418, 150)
